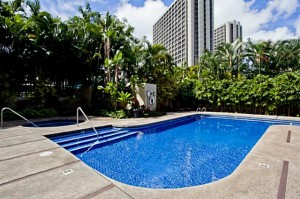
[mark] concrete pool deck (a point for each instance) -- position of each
(32, 166)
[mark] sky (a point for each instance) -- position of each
(261, 19)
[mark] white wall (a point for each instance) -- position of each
(147, 95)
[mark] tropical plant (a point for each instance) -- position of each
(112, 90)
(124, 98)
(43, 58)
(231, 56)
(119, 114)
(259, 54)
(285, 55)
(260, 95)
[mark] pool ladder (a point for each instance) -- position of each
(91, 124)
(201, 109)
(6, 108)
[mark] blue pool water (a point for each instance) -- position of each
(180, 153)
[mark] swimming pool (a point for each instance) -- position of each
(178, 153)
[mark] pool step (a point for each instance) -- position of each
(86, 135)
(91, 139)
(82, 148)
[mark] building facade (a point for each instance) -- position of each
(186, 29)
(228, 33)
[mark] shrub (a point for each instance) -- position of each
(118, 114)
(30, 113)
(47, 112)
(154, 113)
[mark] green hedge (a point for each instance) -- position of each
(261, 95)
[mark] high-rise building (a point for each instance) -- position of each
(186, 29)
(228, 33)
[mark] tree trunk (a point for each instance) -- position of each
(106, 56)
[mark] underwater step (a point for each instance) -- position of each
(85, 135)
(84, 147)
(90, 140)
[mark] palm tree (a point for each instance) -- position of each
(286, 55)
(156, 60)
(259, 54)
(231, 55)
(108, 34)
(34, 7)
(211, 61)
(117, 36)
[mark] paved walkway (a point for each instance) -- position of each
(32, 166)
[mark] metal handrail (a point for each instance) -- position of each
(91, 124)
(6, 108)
(201, 109)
